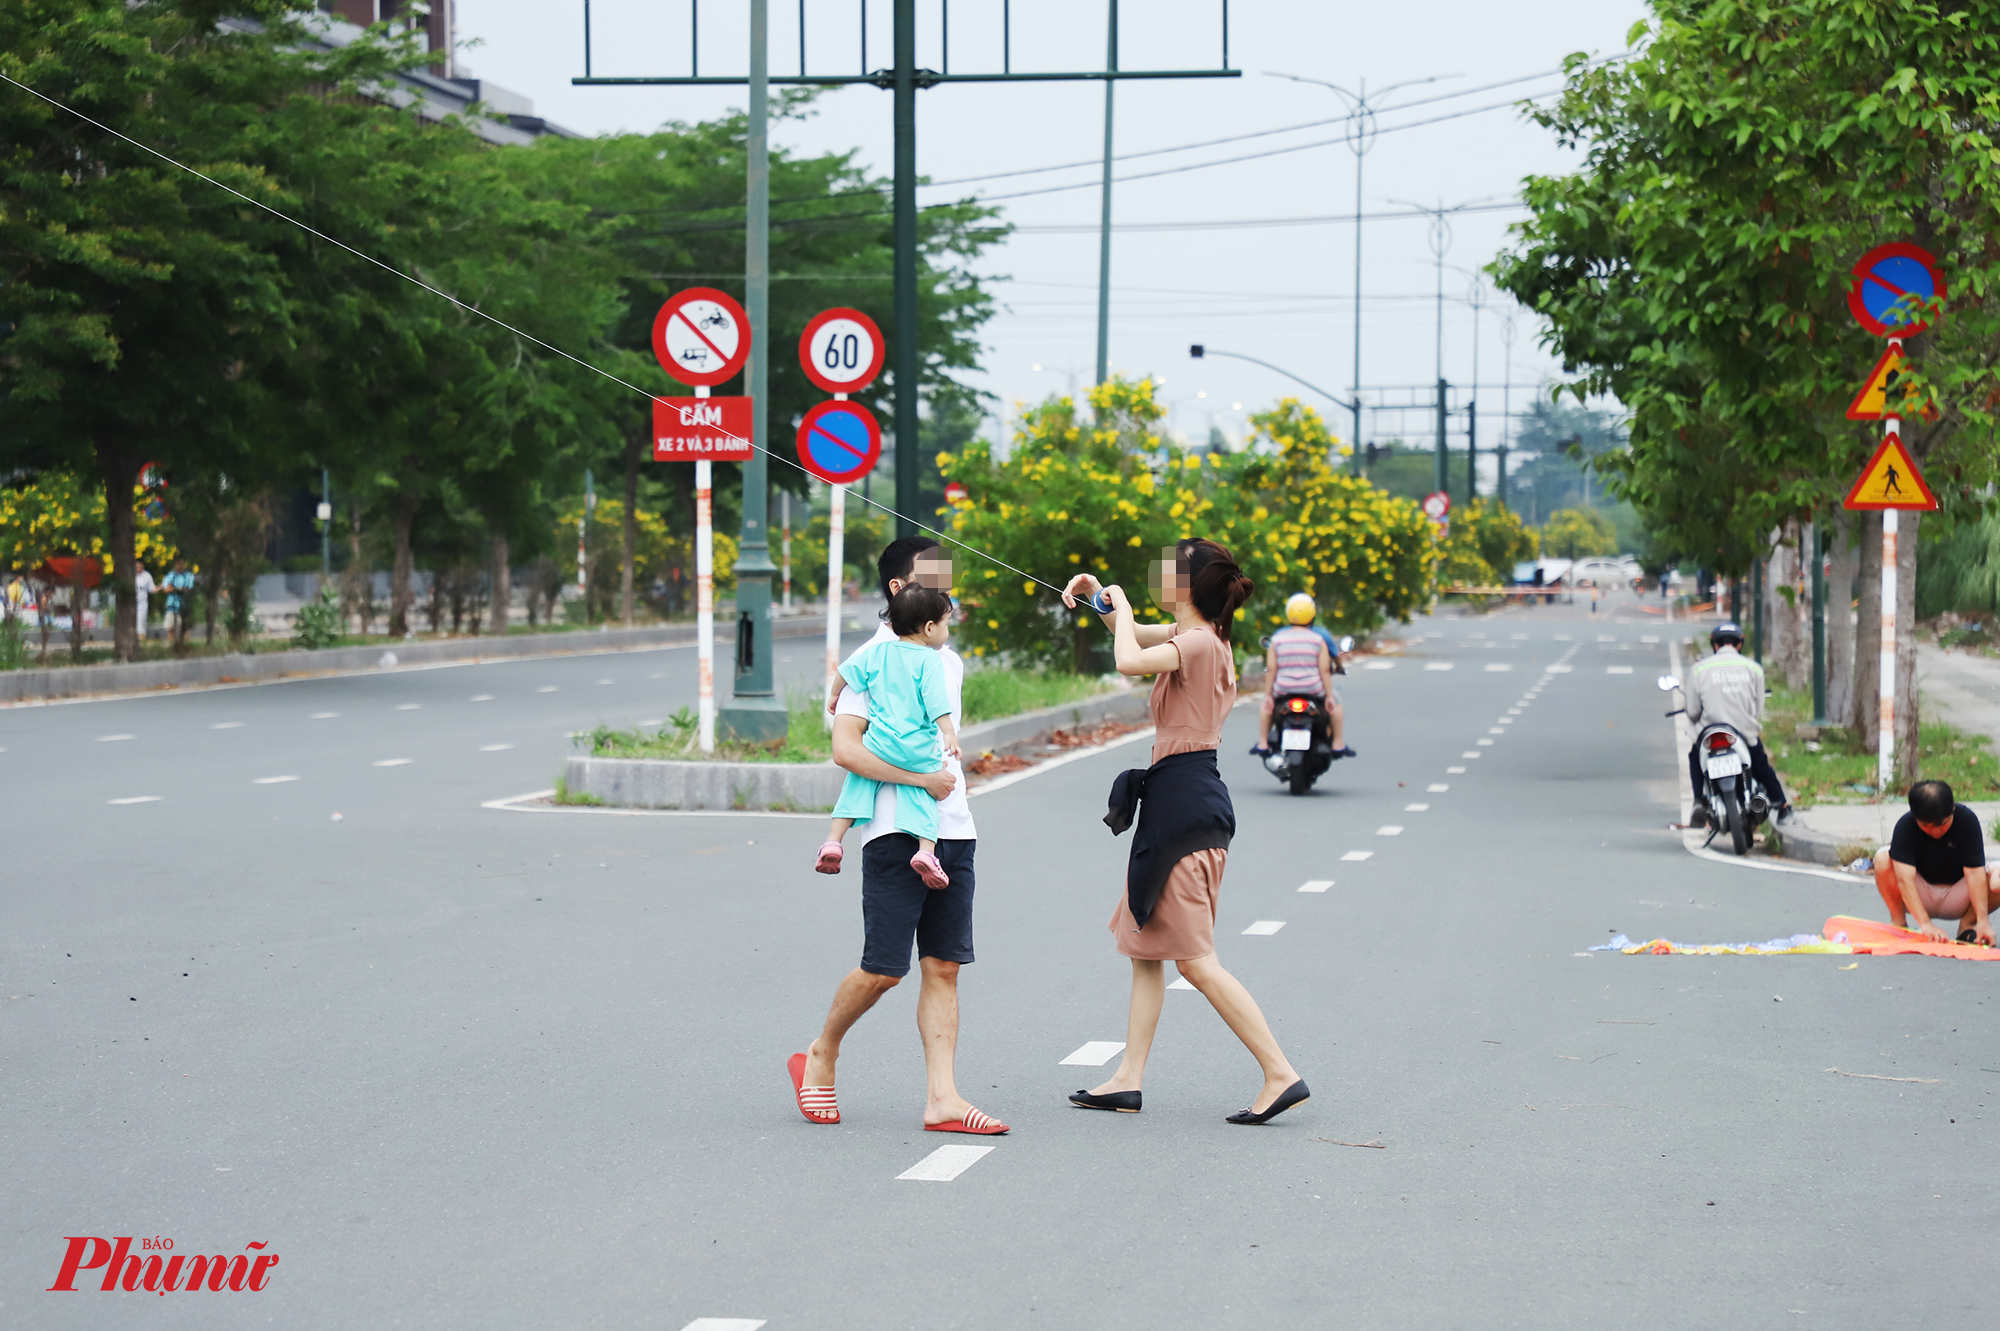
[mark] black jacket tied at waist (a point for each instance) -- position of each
(1183, 807)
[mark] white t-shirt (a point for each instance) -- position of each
(954, 812)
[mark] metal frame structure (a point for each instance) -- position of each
(904, 79)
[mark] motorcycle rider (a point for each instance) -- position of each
(1300, 660)
(1728, 688)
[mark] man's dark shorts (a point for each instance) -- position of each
(897, 908)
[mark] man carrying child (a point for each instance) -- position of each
(898, 908)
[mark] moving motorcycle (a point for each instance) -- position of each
(1734, 800)
(1301, 734)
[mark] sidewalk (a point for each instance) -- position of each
(1965, 686)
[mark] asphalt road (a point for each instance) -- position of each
(461, 1067)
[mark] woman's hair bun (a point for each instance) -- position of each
(1216, 585)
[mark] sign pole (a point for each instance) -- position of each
(704, 593)
(836, 563)
(1885, 740)
(785, 517)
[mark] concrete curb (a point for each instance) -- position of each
(142, 677)
(658, 783)
(1812, 846)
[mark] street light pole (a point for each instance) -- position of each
(1360, 139)
(1198, 351)
(1104, 226)
(1440, 241)
(1506, 402)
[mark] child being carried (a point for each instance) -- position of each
(909, 725)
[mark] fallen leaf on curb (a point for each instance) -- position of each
(1927, 1081)
(1373, 1146)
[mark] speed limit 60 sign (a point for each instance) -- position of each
(841, 350)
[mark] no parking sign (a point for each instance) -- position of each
(839, 442)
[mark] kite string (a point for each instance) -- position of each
(492, 319)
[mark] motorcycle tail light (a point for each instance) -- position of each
(1298, 704)
(1718, 742)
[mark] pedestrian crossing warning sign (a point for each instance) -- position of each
(1882, 395)
(1891, 480)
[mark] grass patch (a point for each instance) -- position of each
(1842, 772)
(996, 692)
(563, 795)
(806, 741)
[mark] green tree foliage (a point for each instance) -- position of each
(1697, 265)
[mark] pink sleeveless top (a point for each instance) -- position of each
(1190, 704)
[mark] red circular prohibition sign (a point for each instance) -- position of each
(701, 336)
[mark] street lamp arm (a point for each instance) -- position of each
(1198, 352)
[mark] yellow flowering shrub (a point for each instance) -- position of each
(60, 514)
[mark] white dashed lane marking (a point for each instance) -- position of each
(1357, 855)
(113, 739)
(1438, 665)
(724, 1324)
(1437, 787)
(1618, 670)
(1380, 665)
(1316, 885)
(945, 1164)
(1470, 753)
(1518, 637)
(1416, 808)
(1182, 984)
(1390, 829)
(1451, 771)
(1496, 730)
(1560, 669)
(1487, 742)
(409, 707)
(395, 762)
(1095, 1054)
(138, 799)
(547, 688)
(494, 748)
(1498, 666)
(482, 697)
(323, 716)
(1646, 637)
(227, 725)
(271, 780)
(1264, 928)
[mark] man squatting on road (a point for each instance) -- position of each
(897, 908)
(1934, 867)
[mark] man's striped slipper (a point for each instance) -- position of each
(974, 1122)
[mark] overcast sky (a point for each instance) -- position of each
(1283, 294)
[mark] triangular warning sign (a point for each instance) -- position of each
(1873, 402)
(1891, 480)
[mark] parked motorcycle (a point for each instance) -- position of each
(1301, 734)
(1735, 803)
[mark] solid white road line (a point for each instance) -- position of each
(1416, 808)
(1438, 665)
(1498, 666)
(113, 739)
(945, 1164)
(1618, 670)
(1183, 984)
(1095, 1054)
(1358, 855)
(1437, 787)
(494, 748)
(271, 780)
(227, 725)
(1264, 928)
(138, 799)
(1391, 829)
(395, 762)
(1454, 771)
(1316, 885)
(725, 1324)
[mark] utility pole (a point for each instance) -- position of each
(1506, 403)
(909, 431)
(325, 523)
(755, 715)
(1442, 389)
(1360, 139)
(1472, 443)
(1104, 226)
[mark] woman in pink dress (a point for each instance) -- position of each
(1185, 821)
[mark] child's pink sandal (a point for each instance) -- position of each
(829, 858)
(928, 869)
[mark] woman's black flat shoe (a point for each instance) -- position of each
(1295, 1094)
(1124, 1102)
